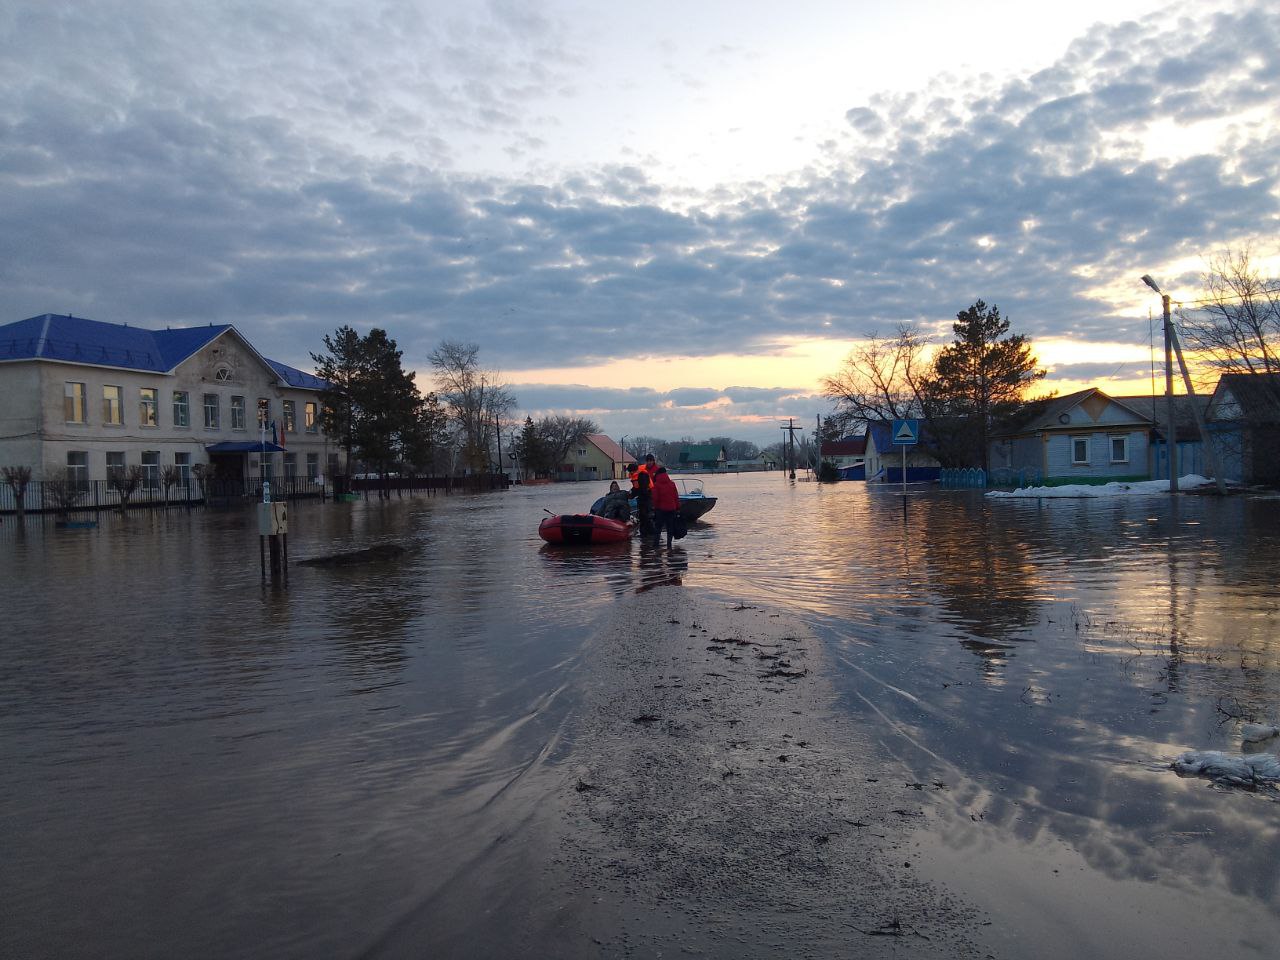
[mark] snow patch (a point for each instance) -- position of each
(1079, 490)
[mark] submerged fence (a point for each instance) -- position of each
(970, 478)
(96, 495)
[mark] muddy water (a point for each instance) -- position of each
(196, 763)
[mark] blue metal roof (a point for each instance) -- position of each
(52, 336)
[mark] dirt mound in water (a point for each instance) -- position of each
(383, 551)
(721, 807)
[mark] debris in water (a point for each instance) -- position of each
(1248, 770)
(1253, 732)
(383, 551)
(645, 718)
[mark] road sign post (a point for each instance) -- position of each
(906, 433)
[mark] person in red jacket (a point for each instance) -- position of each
(666, 504)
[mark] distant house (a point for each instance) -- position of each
(597, 457)
(82, 399)
(1085, 437)
(1244, 419)
(702, 456)
(884, 459)
(848, 455)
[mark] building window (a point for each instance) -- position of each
(290, 417)
(73, 402)
(115, 465)
(237, 413)
(222, 374)
(111, 410)
(313, 466)
(212, 412)
(181, 408)
(290, 466)
(1079, 450)
(151, 469)
(148, 398)
(183, 462)
(333, 465)
(264, 412)
(78, 469)
(1119, 449)
(309, 412)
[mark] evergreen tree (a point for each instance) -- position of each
(342, 365)
(976, 384)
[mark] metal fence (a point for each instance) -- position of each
(96, 495)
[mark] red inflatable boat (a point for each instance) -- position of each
(580, 529)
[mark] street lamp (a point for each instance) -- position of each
(1171, 433)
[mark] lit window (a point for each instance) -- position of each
(309, 412)
(148, 398)
(1079, 450)
(111, 410)
(181, 408)
(264, 412)
(73, 404)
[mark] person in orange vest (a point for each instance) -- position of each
(666, 504)
(642, 489)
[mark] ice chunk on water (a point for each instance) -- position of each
(1258, 731)
(1247, 769)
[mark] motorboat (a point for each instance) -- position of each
(582, 529)
(694, 502)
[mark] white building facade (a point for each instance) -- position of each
(90, 398)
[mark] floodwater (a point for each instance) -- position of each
(195, 763)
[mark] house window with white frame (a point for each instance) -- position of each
(183, 462)
(115, 465)
(111, 409)
(290, 417)
(291, 466)
(313, 466)
(1119, 449)
(151, 469)
(264, 412)
(148, 399)
(181, 408)
(78, 469)
(1080, 450)
(212, 412)
(237, 413)
(74, 402)
(310, 416)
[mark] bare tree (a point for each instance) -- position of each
(126, 482)
(60, 489)
(1236, 326)
(881, 378)
(559, 434)
(475, 397)
(17, 478)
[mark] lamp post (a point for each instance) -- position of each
(1171, 433)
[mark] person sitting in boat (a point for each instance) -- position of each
(616, 504)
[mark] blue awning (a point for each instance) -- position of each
(244, 446)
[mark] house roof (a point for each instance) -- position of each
(846, 447)
(610, 449)
(1156, 409)
(1257, 394)
(701, 453)
(52, 336)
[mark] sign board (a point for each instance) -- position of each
(272, 519)
(906, 432)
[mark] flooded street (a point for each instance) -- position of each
(196, 763)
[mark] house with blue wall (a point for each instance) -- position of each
(1085, 437)
(884, 458)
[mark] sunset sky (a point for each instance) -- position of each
(673, 218)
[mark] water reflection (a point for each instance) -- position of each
(160, 708)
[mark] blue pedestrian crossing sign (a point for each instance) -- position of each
(906, 432)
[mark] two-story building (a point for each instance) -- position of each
(89, 398)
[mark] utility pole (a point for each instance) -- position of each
(1171, 436)
(789, 447)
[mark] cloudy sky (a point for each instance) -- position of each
(672, 217)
